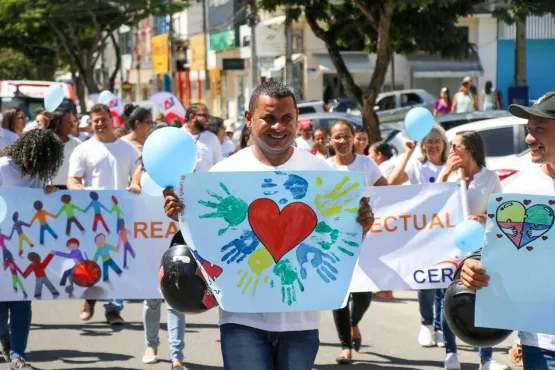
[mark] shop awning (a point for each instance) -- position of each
(434, 66)
(354, 60)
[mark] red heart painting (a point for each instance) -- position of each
(530, 248)
(281, 231)
(527, 202)
(499, 199)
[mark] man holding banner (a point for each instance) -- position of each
(283, 341)
(538, 350)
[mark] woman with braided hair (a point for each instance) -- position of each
(32, 162)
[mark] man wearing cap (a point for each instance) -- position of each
(305, 140)
(465, 101)
(85, 128)
(538, 350)
(228, 146)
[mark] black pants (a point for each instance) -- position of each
(346, 318)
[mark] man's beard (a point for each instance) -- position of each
(199, 126)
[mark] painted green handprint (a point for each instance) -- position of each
(258, 261)
(326, 237)
(232, 209)
(337, 200)
(288, 276)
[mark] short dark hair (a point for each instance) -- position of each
(216, 123)
(97, 108)
(57, 118)
(384, 148)
(474, 144)
(137, 114)
(273, 89)
(193, 109)
(39, 110)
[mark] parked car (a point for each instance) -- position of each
(313, 106)
(391, 106)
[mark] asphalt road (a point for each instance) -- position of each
(59, 340)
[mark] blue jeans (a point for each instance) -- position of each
(451, 341)
(176, 328)
(20, 315)
(427, 299)
(538, 359)
(244, 347)
(114, 305)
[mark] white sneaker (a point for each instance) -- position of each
(452, 362)
(492, 365)
(426, 336)
(440, 339)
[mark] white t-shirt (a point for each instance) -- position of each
(485, 183)
(30, 126)
(362, 164)
(7, 138)
(535, 181)
(104, 166)
(423, 173)
(83, 136)
(244, 160)
(10, 175)
(209, 150)
(387, 168)
(228, 146)
(304, 144)
(61, 176)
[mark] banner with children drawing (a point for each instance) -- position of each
(285, 241)
(81, 244)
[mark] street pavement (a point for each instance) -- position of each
(59, 340)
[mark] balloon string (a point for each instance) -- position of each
(464, 194)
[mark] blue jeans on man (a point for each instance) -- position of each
(17, 333)
(176, 328)
(244, 347)
(429, 302)
(538, 358)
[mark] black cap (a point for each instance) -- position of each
(543, 107)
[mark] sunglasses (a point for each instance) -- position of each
(202, 115)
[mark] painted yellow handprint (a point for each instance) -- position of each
(258, 261)
(337, 200)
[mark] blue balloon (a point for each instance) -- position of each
(53, 97)
(148, 186)
(105, 97)
(469, 236)
(418, 123)
(169, 153)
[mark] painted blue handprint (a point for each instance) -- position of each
(237, 250)
(319, 261)
(295, 185)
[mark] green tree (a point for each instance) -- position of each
(76, 30)
(512, 11)
(387, 27)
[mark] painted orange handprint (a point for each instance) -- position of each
(337, 200)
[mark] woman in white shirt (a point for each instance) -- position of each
(469, 153)
(345, 159)
(62, 126)
(381, 153)
(425, 170)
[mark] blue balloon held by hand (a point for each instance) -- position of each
(53, 97)
(168, 154)
(469, 236)
(148, 186)
(418, 123)
(105, 97)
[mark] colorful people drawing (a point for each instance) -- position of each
(18, 228)
(103, 251)
(8, 262)
(117, 210)
(41, 217)
(97, 206)
(75, 254)
(69, 209)
(38, 267)
(124, 237)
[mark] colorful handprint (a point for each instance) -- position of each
(258, 262)
(238, 249)
(327, 237)
(232, 209)
(295, 185)
(288, 276)
(320, 261)
(337, 200)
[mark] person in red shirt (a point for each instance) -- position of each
(37, 266)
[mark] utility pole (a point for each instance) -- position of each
(121, 67)
(206, 42)
(253, 21)
(138, 93)
(172, 61)
(520, 53)
(288, 48)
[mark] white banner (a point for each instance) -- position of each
(410, 245)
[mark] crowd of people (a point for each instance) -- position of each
(58, 151)
(467, 99)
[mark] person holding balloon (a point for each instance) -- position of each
(103, 162)
(426, 169)
(468, 153)
(30, 162)
(259, 341)
(344, 143)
